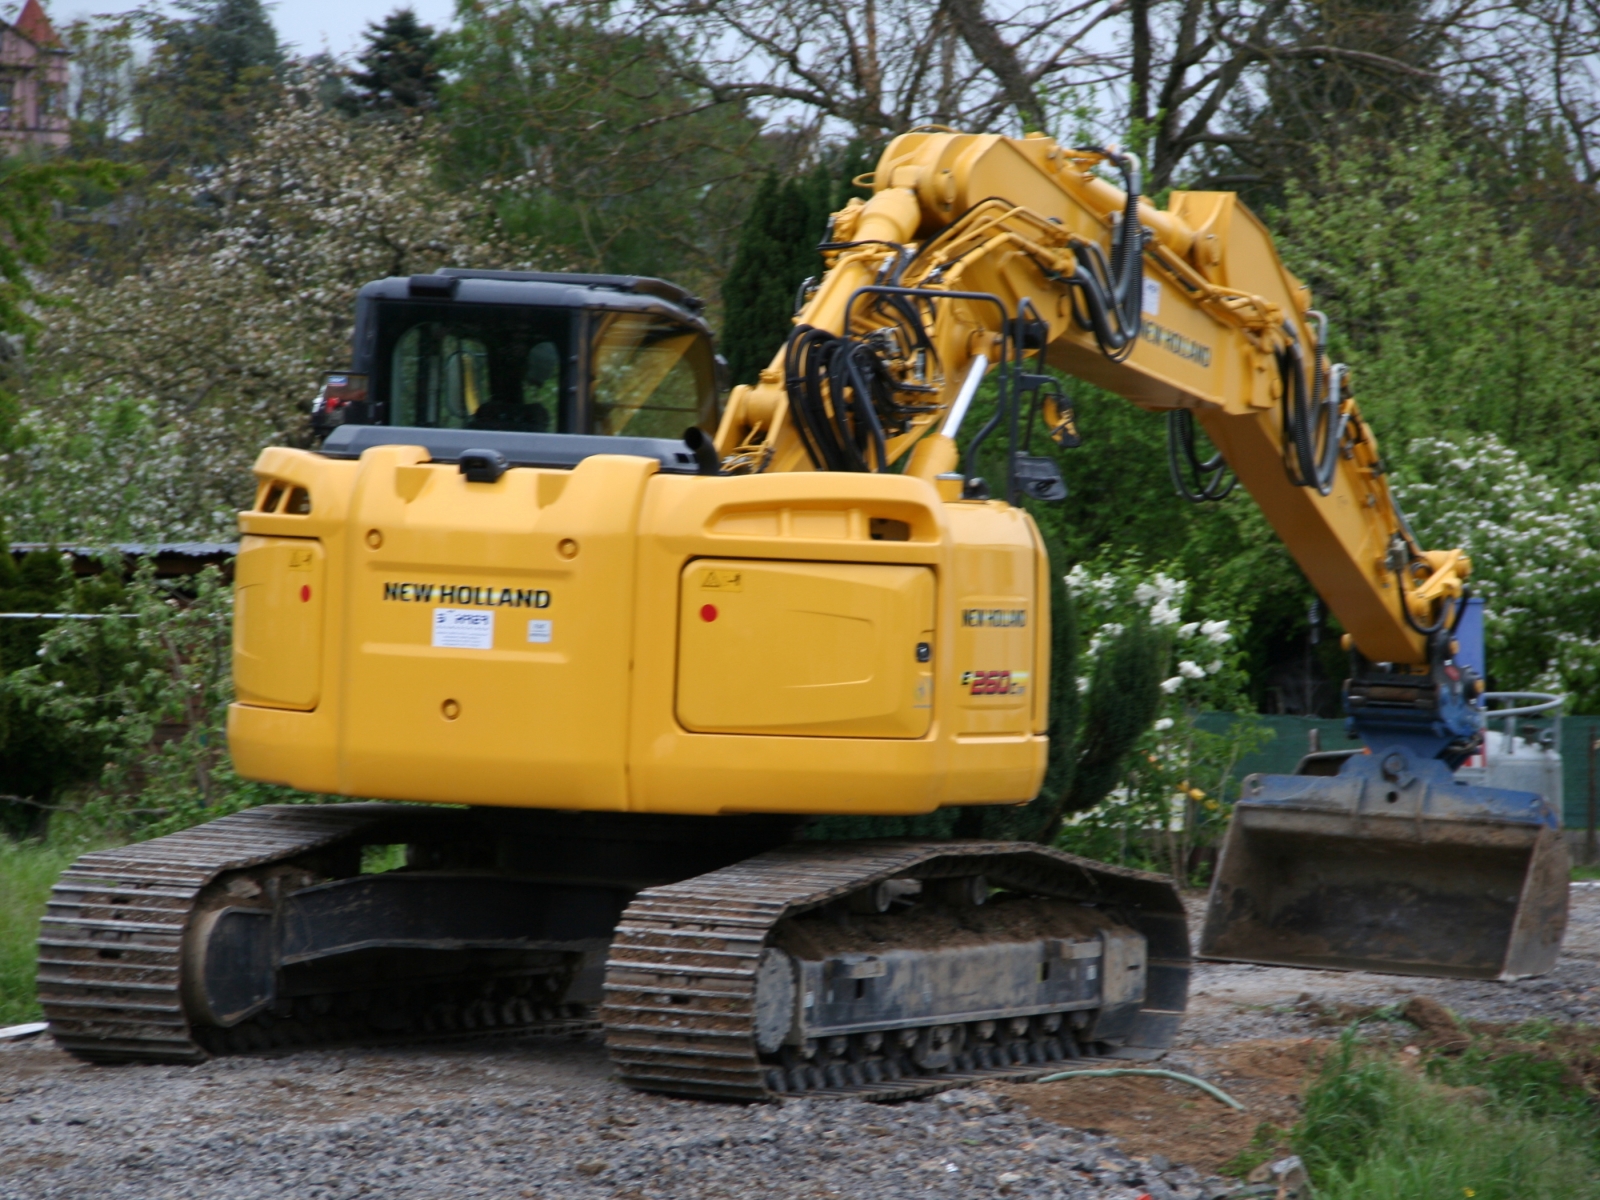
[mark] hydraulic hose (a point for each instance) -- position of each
(1113, 292)
(840, 392)
(1148, 1073)
(1211, 478)
(1312, 422)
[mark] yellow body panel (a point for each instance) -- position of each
(571, 668)
(805, 648)
(539, 640)
(277, 641)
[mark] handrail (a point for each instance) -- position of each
(1545, 702)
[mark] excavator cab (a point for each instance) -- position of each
(526, 352)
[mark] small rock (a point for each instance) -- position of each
(1160, 1162)
(1286, 1179)
(972, 1101)
(591, 1168)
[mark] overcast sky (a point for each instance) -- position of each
(304, 26)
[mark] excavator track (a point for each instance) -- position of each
(681, 984)
(111, 951)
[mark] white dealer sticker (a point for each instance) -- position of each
(539, 631)
(1152, 297)
(463, 629)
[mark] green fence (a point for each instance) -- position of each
(1292, 739)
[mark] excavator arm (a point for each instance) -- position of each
(983, 232)
(979, 253)
(976, 251)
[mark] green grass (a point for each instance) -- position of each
(1265, 1145)
(1586, 871)
(1374, 1128)
(27, 869)
(375, 860)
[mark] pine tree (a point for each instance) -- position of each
(402, 70)
(233, 36)
(1124, 696)
(777, 253)
(771, 262)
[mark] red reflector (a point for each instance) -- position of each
(708, 612)
(305, 593)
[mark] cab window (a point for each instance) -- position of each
(454, 367)
(653, 376)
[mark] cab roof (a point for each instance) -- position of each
(555, 289)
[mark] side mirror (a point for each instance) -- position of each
(342, 401)
(1061, 420)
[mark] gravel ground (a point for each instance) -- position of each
(533, 1119)
(542, 1118)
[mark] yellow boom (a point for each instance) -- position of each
(1225, 332)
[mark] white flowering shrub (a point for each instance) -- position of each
(1175, 795)
(99, 467)
(151, 394)
(1205, 669)
(1535, 549)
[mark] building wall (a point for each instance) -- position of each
(33, 91)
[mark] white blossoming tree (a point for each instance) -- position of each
(151, 394)
(1535, 549)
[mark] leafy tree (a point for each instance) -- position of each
(103, 64)
(29, 194)
(40, 756)
(591, 143)
(207, 76)
(143, 696)
(1338, 71)
(1445, 310)
(401, 66)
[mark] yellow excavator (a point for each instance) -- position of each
(602, 673)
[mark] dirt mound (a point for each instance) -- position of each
(1436, 1023)
(1428, 1015)
(1157, 1116)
